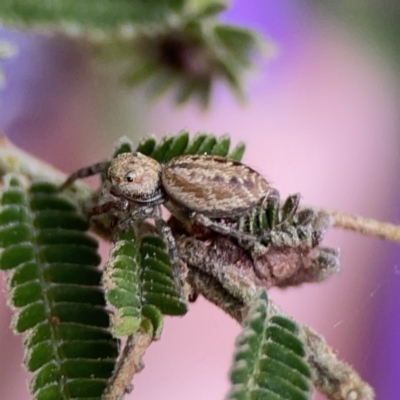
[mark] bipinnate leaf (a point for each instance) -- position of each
(121, 282)
(54, 288)
(158, 285)
(269, 362)
(180, 144)
(139, 284)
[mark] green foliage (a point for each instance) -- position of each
(121, 281)
(274, 216)
(158, 286)
(54, 285)
(272, 220)
(176, 145)
(190, 56)
(139, 284)
(174, 42)
(269, 362)
(95, 14)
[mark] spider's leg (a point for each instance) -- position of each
(166, 234)
(271, 205)
(320, 225)
(121, 205)
(305, 217)
(248, 241)
(224, 229)
(85, 172)
(290, 207)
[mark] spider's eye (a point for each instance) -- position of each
(129, 177)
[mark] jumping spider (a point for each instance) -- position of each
(199, 188)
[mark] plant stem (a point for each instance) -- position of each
(15, 160)
(128, 365)
(366, 226)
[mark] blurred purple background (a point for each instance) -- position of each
(321, 119)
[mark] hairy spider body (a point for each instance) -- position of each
(213, 186)
(195, 187)
(136, 177)
(210, 185)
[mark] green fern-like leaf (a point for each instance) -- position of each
(172, 43)
(139, 284)
(269, 362)
(158, 285)
(176, 145)
(121, 282)
(54, 286)
(95, 14)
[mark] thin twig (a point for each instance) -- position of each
(15, 160)
(129, 364)
(366, 226)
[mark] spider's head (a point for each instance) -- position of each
(135, 177)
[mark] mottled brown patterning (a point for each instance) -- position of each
(135, 177)
(213, 186)
(192, 187)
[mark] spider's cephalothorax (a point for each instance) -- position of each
(200, 188)
(136, 177)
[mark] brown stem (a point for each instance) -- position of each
(366, 226)
(15, 160)
(129, 364)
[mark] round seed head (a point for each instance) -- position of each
(135, 176)
(214, 186)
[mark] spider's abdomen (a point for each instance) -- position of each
(214, 186)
